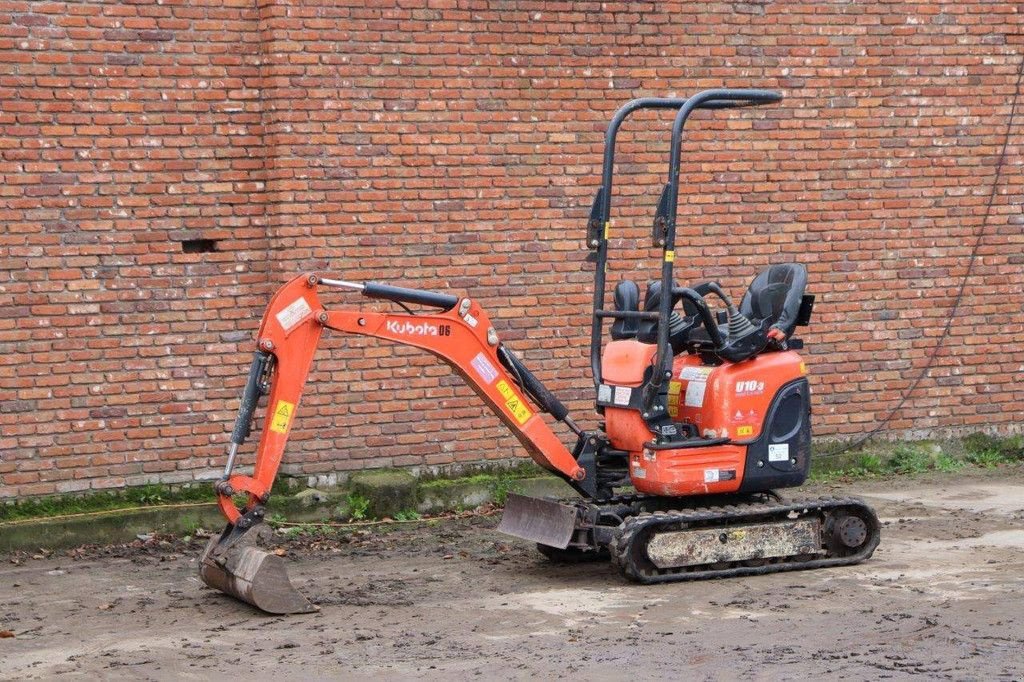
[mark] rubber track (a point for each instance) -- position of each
(637, 528)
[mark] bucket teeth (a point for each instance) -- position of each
(233, 564)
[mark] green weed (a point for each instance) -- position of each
(947, 463)
(191, 525)
(907, 459)
(358, 506)
(502, 486)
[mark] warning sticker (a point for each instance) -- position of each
(696, 373)
(695, 394)
(282, 416)
(742, 431)
(674, 388)
(718, 475)
(622, 395)
(514, 403)
(484, 368)
(604, 393)
(778, 452)
(294, 314)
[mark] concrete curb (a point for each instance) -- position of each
(386, 495)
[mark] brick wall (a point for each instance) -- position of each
(449, 144)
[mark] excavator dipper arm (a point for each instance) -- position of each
(460, 333)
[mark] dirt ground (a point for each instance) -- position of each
(941, 599)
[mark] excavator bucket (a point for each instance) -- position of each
(542, 521)
(233, 564)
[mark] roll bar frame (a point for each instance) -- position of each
(598, 226)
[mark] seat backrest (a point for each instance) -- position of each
(775, 295)
(678, 329)
(626, 297)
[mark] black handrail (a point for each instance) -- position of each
(604, 213)
(742, 98)
(708, 99)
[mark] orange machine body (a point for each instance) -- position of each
(725, 401)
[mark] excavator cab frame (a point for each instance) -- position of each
(664, 230)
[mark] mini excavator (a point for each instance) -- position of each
(705, 414)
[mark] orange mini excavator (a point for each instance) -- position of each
(705, 414)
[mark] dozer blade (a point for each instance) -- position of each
(233, 564)
(543, 521)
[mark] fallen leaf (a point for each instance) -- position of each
(280, 551)
(6, 634)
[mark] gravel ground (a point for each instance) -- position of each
(940, 599)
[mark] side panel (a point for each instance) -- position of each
(624, 363)
(730, 400)
(781, 455)
(688, 471)
(626, 429)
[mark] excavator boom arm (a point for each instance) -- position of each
(460, 334)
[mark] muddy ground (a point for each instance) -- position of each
(943, 598)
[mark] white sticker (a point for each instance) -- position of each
(622, 394)
(695, 394)
(484, 368)
(778, 452)
(711, 475)
(696, 373)
(604, 393)
(639, 472)
(470, 320)
(294, 314)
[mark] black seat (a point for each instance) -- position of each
(626, 298)
(776, 295)
(679, 326)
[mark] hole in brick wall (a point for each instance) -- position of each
(199, 245)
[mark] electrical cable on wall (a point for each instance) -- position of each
(1000, 162)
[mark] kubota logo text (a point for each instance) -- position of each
(423, 329)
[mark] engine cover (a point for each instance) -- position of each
(761, 406)
(729, 400)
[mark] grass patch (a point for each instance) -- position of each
(500, 484)
(141, 496)
(883, 459)
(484, 471)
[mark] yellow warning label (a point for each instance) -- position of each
(513, 403)
(744, 431)
(803, 368)
(282, 416)
(674, 389)
(670, 256)
(607, 229)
